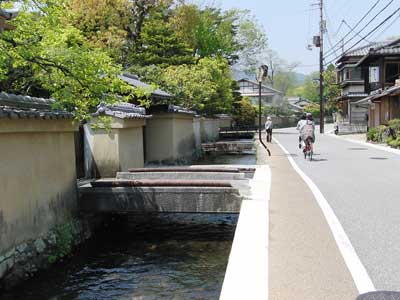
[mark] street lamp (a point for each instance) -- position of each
(262, 75)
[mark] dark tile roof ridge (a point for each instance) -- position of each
(135, 81)
(20, 99)
(121, 110)
(18, 113)
(180, 109)
(19, 106)
(263, 85)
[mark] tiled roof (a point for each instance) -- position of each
(122, 111)
(263, 86)
(223, 116)
(377, 48)
(8, 14)
(361, 51)
(18, 107)
(171, 109)
(392, 91)
(134, 81)
(180, 109)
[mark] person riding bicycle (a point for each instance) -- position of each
(301, 122)
(307, 130)
(268, 129)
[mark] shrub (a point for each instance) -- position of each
(395, 143)
(395, 125)
(373, 134)
(244, 113)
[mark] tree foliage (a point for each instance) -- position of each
(244, 112)
(205, 86)
(104, 23)
(209, 32)
(74, 51)
(45, 56)
(158, 43)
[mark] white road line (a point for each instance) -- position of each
(360, 276)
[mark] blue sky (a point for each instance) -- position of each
(290, 24)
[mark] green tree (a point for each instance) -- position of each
(244, 113)
(158, 43)
(313, 109)
(284, 81)
(205, 86)
(104, 23)
(309, 89)
(45, 56)
(253, 42)
(209, 32)
(331, 90)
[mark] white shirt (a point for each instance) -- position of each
(300, 124)
(268, 125)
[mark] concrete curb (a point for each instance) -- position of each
(246, 275)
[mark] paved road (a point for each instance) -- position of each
(362, 185)
(304, 262)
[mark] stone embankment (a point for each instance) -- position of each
(23, 261)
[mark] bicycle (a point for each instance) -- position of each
(308, 148)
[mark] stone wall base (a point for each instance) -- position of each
(24, 260)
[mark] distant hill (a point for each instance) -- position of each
(300, 78)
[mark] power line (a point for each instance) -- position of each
(329, 52)
(338, 30)
(351, 29)
(386, 28)
(369, 33)
(329, 38)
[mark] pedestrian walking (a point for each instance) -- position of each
(268, 129)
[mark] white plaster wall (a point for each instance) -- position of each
(209, 128)
(197, 133)
(37, 178)
(116, 149)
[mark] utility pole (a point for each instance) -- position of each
(321, 68)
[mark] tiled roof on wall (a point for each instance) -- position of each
(122, 111)
(19, 107)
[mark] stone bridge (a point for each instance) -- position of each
(196, 189)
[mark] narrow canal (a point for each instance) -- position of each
(127, 260)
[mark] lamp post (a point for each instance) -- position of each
(262, 75)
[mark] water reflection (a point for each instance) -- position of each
(169, 262)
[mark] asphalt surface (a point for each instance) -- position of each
(361, 185)
(304, 261)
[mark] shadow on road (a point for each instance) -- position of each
(357, 148)
(319, 159)
(284, 132)
(379, 158)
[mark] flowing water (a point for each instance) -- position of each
(172, 262)
(127, 261)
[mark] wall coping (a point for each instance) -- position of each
(37, 125)
(118, 123)
(25, 107)
(122, 110)
(172, 116)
